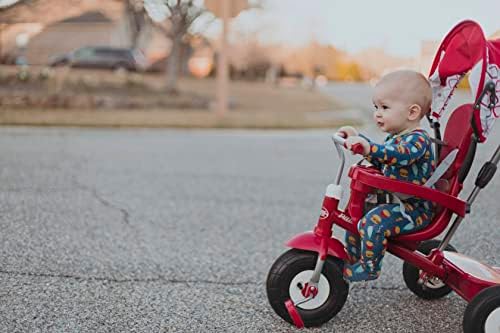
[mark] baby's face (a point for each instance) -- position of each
(392, 108)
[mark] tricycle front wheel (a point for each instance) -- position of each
(289, 274)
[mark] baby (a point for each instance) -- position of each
(401, 99)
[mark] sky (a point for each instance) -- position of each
(398, 26)
(4, 3)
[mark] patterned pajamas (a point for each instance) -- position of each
(407, 157)
(381, 222)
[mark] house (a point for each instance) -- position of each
(89, 29)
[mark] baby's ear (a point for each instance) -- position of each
(415, 112)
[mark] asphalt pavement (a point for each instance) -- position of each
(174, 231)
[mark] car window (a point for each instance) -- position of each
(84, 53)
(103, 52)
(129, 55)
(125, 54)
(112, 53)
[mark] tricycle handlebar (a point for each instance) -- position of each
(356, 148)
(341, 142)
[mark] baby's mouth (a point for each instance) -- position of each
(380, 124)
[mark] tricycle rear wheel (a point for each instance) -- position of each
(296, 267)
(432, 289)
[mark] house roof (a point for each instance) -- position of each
(88, 17)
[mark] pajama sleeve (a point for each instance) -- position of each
(406, 152)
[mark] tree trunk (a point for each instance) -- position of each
(173, 64)
(136, 22)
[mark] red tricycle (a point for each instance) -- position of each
(305, 285)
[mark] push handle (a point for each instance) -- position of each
(488, 170)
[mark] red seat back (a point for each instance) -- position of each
(457, 134)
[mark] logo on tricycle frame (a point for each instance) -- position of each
(345, 217)
(324, 213)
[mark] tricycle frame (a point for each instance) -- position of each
(452, 269)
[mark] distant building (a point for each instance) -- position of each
(92, 28)
(88, 29)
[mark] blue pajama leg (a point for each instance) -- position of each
(353, 246)
(378, 224)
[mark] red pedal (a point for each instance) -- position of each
(294, 314)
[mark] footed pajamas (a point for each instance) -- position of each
(408, 157)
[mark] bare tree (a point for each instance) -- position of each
(181, 16)
(136, 19)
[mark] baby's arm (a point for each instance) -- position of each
(365, 142)
(377, 164)
(406, 152)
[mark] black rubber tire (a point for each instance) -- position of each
(291, 263)
(478, 310)
(411, 274)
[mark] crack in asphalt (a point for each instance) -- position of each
(140, 280)
(379, 288)
(104, 202)
(123, 211)
(165, 280)
(126, 220)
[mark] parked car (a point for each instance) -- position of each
(103, 57)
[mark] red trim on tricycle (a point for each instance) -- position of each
(429, 263)
(455, 204)
(309, 241)
(468, 276)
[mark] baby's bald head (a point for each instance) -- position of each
(407, 86)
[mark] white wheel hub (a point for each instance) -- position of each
(299, 281)
(433, 282)
(492, 323)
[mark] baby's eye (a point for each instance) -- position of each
(385, 107)
(376, 107)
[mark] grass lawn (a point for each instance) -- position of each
(253, 105)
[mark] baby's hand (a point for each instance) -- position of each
(353, 140)
(347, 131)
